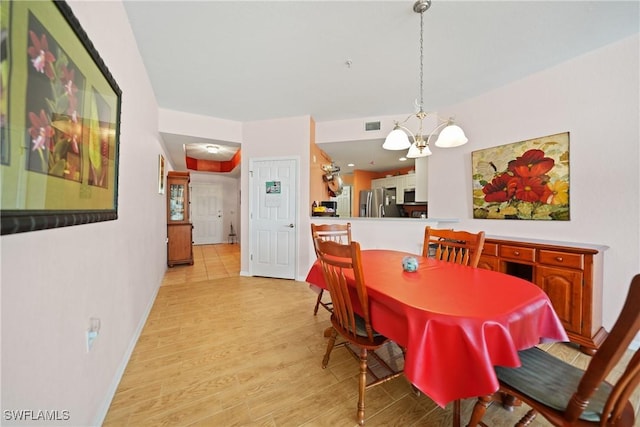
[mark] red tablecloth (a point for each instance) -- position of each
(456, 322)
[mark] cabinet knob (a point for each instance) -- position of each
(559, 259)
(516, 253)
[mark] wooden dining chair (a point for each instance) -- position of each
(340, 233)
(568, 396)
(340, 262)
(461, 247)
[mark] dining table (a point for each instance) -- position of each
(455, 322)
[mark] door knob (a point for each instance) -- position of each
(290, 226)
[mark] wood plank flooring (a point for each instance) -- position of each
(223, 350)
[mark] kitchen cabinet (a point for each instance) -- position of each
(400, 186)
(399, 182)
(179, 227)
(388, 182)
(410, 181)
(570, 274)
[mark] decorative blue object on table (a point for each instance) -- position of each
(409, 264)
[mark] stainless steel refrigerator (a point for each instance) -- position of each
(378, 203)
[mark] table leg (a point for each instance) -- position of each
(456, 413)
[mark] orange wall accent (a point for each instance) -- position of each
(361, 181)
(213, 165)
(318, 189)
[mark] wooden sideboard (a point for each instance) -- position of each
(570, 274)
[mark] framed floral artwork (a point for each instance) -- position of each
(523, 180)
(60, 120)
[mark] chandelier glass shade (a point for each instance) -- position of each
(415, 151)
(401, 138)
(451, 136)
(397, 139)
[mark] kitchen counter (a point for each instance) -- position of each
(402, 234)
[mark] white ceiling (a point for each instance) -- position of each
(254, 60)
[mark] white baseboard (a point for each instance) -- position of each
(104, 408)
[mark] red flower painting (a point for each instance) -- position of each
(532, 185)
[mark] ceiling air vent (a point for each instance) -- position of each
(369, 126)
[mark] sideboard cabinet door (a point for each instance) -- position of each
(564, 288)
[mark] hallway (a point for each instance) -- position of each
(209, 262)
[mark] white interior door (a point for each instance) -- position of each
(207, 213)
(343, 202)
(272, 217)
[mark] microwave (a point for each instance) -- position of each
(409, 195)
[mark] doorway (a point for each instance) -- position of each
(207, 213)
(272, 217)
(344, 202)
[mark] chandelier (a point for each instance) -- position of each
(450, 135)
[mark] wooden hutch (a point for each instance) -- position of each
(570, 274)
(179, 227)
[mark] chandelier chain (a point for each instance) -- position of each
(450, 135)
(421, 59)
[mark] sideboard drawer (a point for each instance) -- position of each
(518, 253)
(490, 249)
(562, 259)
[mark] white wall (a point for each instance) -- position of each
(180, 123)
(53, 281)
(596, 98)
(286, 137)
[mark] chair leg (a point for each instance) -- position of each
(479, 410)
(509, 402)
(416, 390)
(315, 309)
(362, 384)
(330, 344)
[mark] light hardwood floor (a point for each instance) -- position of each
(223, 350)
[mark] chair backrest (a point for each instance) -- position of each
(608, 356)
(340, 233)
(341, 265)
(460, 247)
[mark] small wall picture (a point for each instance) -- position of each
(523, 180)
(160, 174)
(273, 187)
